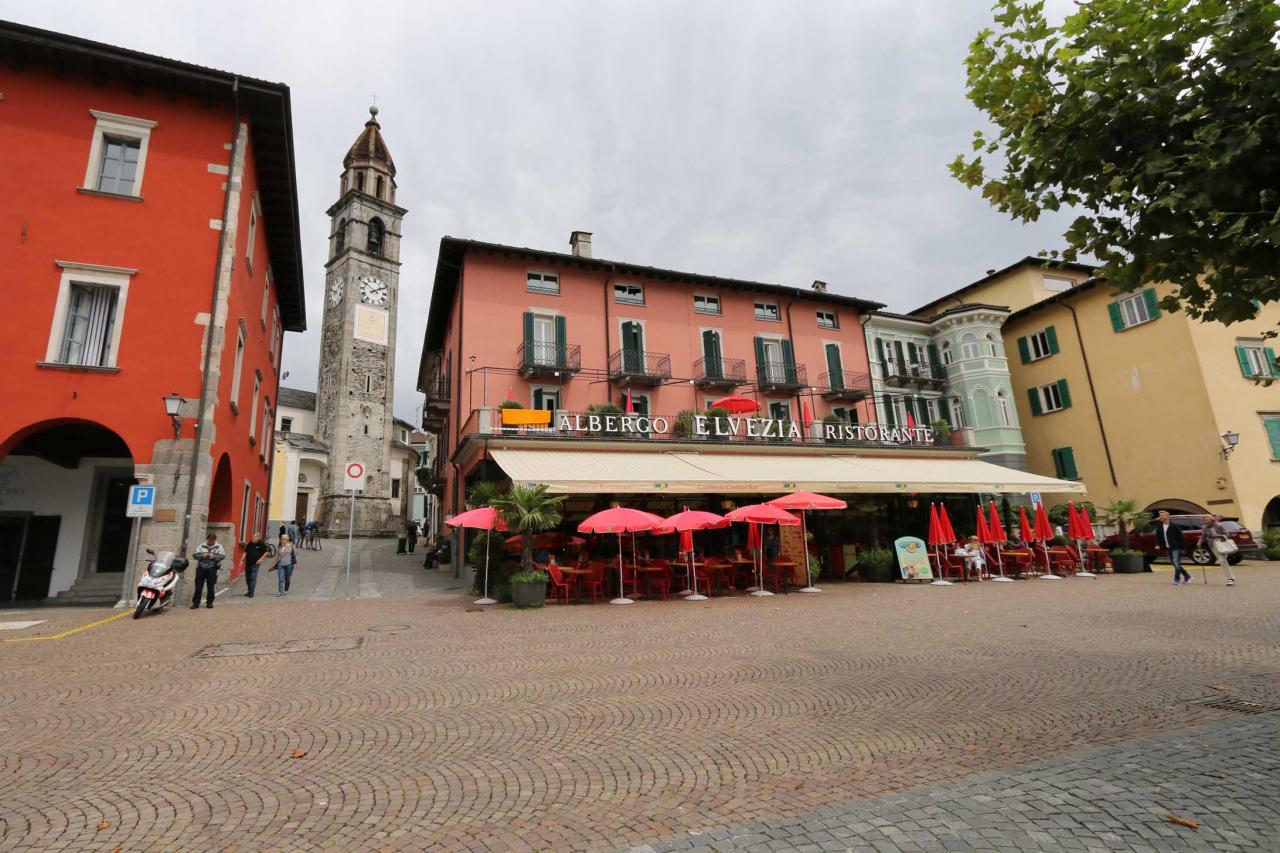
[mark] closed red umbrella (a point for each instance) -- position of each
(1076, 533)
(948, 532)
(753, 536)
(483, 518)
(805, 501)
(981, 528)
(620, 520)
(630, 406)
(806, 414)
(1043, 533)
(1086, 526)
(1024, 526)
(996, 533)
(686, 541)
(935, 526)
(736, 405)
(686, 522)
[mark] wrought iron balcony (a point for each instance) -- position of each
(719, 372)
(437, 392)
(558, 362)
(845, 386)
(639, 367)
(779, 376)
(432, 477)
(919, 375)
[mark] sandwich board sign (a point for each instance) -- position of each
(142, 502)
(354, 481)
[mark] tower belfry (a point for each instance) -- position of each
(358, 338)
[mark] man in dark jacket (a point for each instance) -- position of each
(1169, 539)
(253, 554)
(209, 555)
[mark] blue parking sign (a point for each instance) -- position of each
(142, 502)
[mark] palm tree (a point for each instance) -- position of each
(483, 493)
(528, 510)
(1125, 516)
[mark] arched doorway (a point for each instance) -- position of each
(63, 529)
(220, 494)
(1176, 506)
(1271, 515)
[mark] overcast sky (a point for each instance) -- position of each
(780, 142)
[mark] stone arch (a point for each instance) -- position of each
(1271, 515)
(1177, 506)
(221, 494)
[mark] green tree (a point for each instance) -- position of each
(528, 510)
(1158, 121)
(483, 493)
(1125, 516)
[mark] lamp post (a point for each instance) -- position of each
(173, 408)
(1229, 441)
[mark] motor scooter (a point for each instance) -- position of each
(156, 588)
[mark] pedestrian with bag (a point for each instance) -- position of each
(254, 551)
(209, 555)
(286, 562)
(1214, 537)
(1169, 539)
(411, 536)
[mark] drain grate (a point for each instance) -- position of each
(385, 629)
(288, 647)
(1237, 706)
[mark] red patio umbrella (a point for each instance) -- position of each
(620, 520)
(948, 532)
(1043, 533)
(484, 518)
(686, 522)
(1086, 526)
(995, 531)
(1076, 532)
(980, 529)
(630, 407)
(736, 405)
(758, 514)
(805, 501)
(937, 538)
(1024, 526)
(806, 416)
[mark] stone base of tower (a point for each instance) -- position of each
(373, 516)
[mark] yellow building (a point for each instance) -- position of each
(1137, 402)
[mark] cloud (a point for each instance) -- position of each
(776, 142)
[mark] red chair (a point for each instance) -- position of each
(946, 565)
(776, 577)
(593, 584)
(561, 587)
(660, 582)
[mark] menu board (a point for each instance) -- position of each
(913, 559)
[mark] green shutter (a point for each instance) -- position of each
(935, 361)
(835, 371)
(1051, 335)
(1064, 463)
(1273, 435)
(712, 366)
(1243, 357)
(1271, 361)
(1024, 349)
(888, 411)
(1056, 455)
(899, 360)
(788, 362)
(1153, 302)
(1117, 319)
(880, 356)
(1064, 393)
(1033, 394)
(561, 337)
(913, 354)
(528, 338)
(922, 412)
(761, 371)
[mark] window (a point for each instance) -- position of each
(91, 316)
(1056, 284)
(118, 154)
(376, 232)
(780, 410)
(1038, 345)
(266, 428)
(1064, 463)
(275, 333)
(395, 481)
(1271, 423)
(1134, 310)
(1006, 416)
(706, 304)
(239, 366)
(377, 186)
(969, 346)
(1049, 398)
(768, 311)
(340, 238)
(848, 415)
(957, 413)
(1255, 359)
(827, 320)
(255, 211)
(993, 345)
(266, 296)
(542, 282)
(546, 398)
(286, 424)
(253, 406)
(947, 355)
(242, 530)
(639, 403)
(628, 294)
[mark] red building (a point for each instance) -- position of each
(154, 251)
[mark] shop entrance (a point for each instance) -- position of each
(27, 545)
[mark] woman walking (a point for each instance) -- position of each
(1214, 537)
(286, 560)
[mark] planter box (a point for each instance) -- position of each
(529, 594)
(878, 574)
(1130, 564)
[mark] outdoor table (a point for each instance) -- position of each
(1021, 559)
(577, 575)
(787, 565)
(647, 571)
(739, 565)
(1097, 557)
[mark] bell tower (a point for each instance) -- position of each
(358, 334)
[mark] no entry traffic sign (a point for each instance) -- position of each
(354, 481)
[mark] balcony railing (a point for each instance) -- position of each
(779, 376)
(913, 374)
(719, 372)
(845, 386)
(437, 392)
(538, 359)
(640, 366)
(432, 477)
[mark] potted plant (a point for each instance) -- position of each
(941, 432)
(684, 424)
(603, 410)
(1125, 516)
(508, 404)
(836, 421)
(528, 509)
(876, 565)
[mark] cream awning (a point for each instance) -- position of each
(636, 472)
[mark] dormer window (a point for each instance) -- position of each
(374, 244)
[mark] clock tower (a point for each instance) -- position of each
(358, 335)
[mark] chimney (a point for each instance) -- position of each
(991, 272)
(580, 243)
(819, 286)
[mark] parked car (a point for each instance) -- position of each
(1145, 540)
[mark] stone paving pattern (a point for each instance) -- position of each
(593, 727)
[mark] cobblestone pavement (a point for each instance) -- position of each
(407, 723)
(1223, 777)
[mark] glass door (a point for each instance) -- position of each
(544, 339)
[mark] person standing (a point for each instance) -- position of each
(293, 531)
(286, 561)
(1169, 539)
(249, 560)
(1214, 537)
(209, 555)
(411, 535)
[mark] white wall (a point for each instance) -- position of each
(28, 484)
(304, 420)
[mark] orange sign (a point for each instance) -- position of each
(526, 417)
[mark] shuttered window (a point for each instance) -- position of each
(1064, 463)
(1053, 397)
(1256, 360)
(1134, 310)
(1272, 424)
(118, 169)
(91, 315)
(1038, 345)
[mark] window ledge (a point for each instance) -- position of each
(78, 368)
(768, 320)
(105, 194)
(1136, 325)
(708, 313)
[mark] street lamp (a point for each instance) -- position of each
(1230, 440)
(173, 408)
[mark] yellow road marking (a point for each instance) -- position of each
(71, 631)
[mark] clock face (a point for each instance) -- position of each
(373, 290)
(335, 290)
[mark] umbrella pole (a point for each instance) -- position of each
(760, 590)
(486, 599)
(693, 574)
(1084, 571)
(1048, 566)
(1000, 563)
(622, 583)
(804, 549)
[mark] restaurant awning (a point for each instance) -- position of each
(638, 472)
